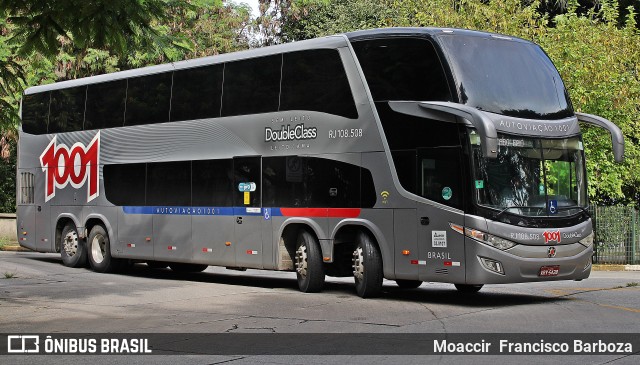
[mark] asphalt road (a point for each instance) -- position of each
(39, 295)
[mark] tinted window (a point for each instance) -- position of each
(440, 177)
(212, 183)
(67, 109)
(125, 184)
(169, 183)
(148, 99)
(247, 171)
(197, 93)
(316, 80)
(105, 105)
(251, 86)
(35, 113)
(402, 69)
(507, 77)
(294, 181)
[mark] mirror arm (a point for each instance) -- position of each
(617, 138)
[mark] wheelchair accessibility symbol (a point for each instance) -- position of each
(553, 206)
(267, 214)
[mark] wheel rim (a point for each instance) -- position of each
(358, 265)
(70, 243)
(301, 261)
(98, 248)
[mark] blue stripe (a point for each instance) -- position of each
(186, 210)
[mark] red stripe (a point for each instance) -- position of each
(414, 262)
(447, 263)
(321, 212)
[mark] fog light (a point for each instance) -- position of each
(492, 265)
(587, 265)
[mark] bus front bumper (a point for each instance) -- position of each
(517, 269)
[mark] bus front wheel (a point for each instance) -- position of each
(367, 267)
(100, 251)
(72, 248)
(309, 265)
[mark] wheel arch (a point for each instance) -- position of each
(61, 221)
(94, 219)
(288, 235)
(346, 230)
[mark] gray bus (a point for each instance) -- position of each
(411, 154)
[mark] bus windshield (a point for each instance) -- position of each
(531, 176)
(507, 77)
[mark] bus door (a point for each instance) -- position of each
(248, 211)
(441, 249)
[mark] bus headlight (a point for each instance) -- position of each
(483, 237)
(587, 241)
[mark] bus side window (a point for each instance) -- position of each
(105, 105)
(251, 86)
(212, 183)
(35, 113)
(124, 184)
(316, 80)
(440, 175)
(148, 99)
(169, 183)
(67, 110)
(197, 93)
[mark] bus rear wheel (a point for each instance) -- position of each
(468, 288)
(367, 267)
(72, 249)
(408, 284)
(309, 266)
(99, 253)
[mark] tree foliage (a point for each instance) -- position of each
(48, 41)
(597, 55)
(595, 44)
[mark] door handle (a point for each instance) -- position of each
(239, 220)
(424, 221)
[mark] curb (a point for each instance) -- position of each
(14, 247)
(604, 267)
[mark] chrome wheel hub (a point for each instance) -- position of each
(358, 266)
(301, 261)
(98, 249)
(70, 243)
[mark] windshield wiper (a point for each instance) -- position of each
(513, 207)
(530, 207)
(583, 209)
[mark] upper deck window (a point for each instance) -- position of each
(507, 77)
(402, 69)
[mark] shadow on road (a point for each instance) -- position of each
(424, 294)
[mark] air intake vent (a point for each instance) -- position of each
(442, 271)
(27, 183)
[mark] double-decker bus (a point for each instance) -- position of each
(411, 154)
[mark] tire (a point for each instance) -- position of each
(72, 249)
(99, 251)
(367, 267)
(157, 264)
(180, 267)
(468, 288)
(408, 284)
(308, 262)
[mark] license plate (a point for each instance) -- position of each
(549, 270)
